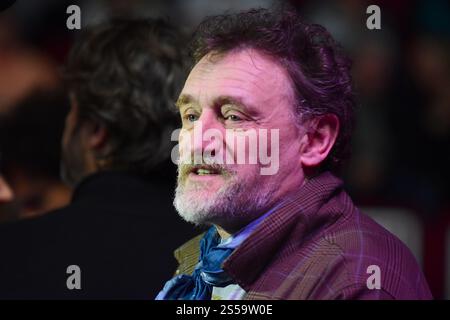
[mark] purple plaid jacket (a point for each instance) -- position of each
(318, 245)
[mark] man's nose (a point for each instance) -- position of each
(6, 194)
(209, 132)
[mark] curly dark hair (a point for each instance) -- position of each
(126, 75)
(316, 64)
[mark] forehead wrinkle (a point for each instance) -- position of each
(257, 72)
(244, 70)
(262, 80)
(235, 83)
(240, 83)
(235, 92)
(228, 74)
(205, 78)
(214, 90)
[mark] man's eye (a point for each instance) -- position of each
(233, 117)
(192, 117)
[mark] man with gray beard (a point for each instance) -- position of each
(293, 233)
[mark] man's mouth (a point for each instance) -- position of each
(206, 170)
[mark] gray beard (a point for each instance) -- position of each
(235, 205)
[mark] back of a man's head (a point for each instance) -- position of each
(124, 75)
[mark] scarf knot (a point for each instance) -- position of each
(207, 274)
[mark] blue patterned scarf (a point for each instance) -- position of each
(207, 274)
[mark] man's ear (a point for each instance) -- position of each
(318, 140)
(97, 136)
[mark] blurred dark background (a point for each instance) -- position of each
(399, 171)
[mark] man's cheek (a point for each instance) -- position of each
(185, 147)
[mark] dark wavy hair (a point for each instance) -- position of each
(316, 64)
(126, 75)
